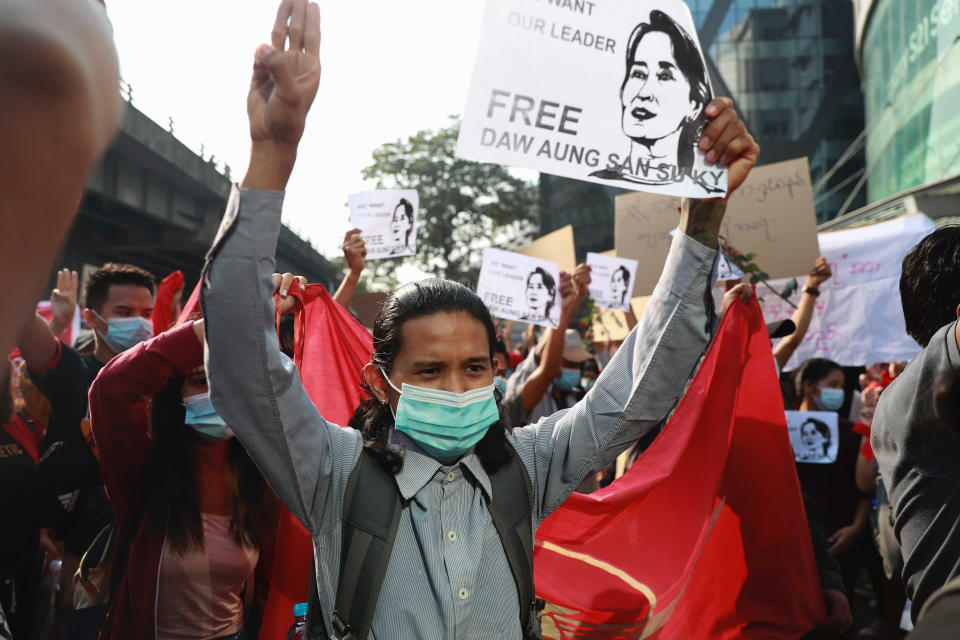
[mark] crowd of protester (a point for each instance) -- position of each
(143, 482)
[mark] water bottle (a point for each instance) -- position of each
(298, 631)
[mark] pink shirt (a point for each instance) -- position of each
(200, 593)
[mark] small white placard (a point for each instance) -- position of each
(518, 287)
(813, 435)
(388, 219)
(727, 269)
(612, 92)
(611, 281)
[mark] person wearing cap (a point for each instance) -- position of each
(547, 378)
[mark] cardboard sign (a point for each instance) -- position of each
(388, 219)
(517, 287)
(858, 318)
(610, 325)
(771, 214)
(813, 435)
(611, 281)
(638, 305)
(557, 247)
(611, 92)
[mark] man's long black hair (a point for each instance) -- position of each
(375, 419)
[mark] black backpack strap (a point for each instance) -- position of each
(511, 512)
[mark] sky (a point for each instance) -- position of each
(390, 69)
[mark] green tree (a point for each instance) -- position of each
(464, 206)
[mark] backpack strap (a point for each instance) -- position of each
(511, 512)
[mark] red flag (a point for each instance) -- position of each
(330, 349)
(191, 310)
(705, 536)
(163, 304)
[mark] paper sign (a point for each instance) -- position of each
(813, 435)
(771, 214)
(388, 219)
(557, 247)
(857, 318)
(610, 325)
(611, 281)
(727, 269)
(517, 287)
(611, 92)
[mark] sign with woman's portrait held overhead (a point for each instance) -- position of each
(388, 220)
(611, 91)
(611, 281)
(518, 287)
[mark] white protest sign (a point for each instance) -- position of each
(611, 92)
(388, 219)
(518, 287)
(611, 281)
(771, 214)
(858, 318)
(813, 435)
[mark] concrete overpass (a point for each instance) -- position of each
(155, 203)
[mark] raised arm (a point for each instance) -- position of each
(60, 108)
(118, 413)
(804, 313)
(355, 254)
(647, 376)
(253, 386)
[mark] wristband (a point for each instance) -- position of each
(811, 291)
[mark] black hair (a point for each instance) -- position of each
(285, 334)
(589, 365)
(499, 346)
(930, 284)
(97, 290)
(549, 283)
(174, 498)
(822, 428)
(813, 371)
(691, 65)
(427, 297)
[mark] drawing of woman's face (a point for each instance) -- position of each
(656, 95)
(617, 286)
(812, 439)
(399, 225)
(537, 293)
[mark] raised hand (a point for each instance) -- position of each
(819, 274)
(354, 251)
(63, 300)
(582, 278)
(727, 142)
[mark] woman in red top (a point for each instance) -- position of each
(194, 516)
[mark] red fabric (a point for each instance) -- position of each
(330, 349)
(20, 431)
(709, 521)
(192, 309)
(865, 449)
(163, 303)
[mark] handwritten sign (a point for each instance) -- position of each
(771, 214)
(388, 219)
(557, 247)
(857, 318)
(518, 287)
(611, 280)
(813, 435)
(611, 92)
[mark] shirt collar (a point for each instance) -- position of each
(419, 467)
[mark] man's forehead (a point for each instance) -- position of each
(442, 336)
(129, 295)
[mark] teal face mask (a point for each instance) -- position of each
(123, 333)
(501, 383)
(830, 399)
(568, 379)
(204, 419)
(445, 424)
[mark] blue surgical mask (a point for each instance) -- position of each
(501, 383)
(204, 419)
(830, 399)
(445, 424)
(123, 333)
(568, 379)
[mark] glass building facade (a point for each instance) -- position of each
(789, 65)
(911, 74)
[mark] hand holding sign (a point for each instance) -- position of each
(388, 220)
(354, 251)
(727, 140)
